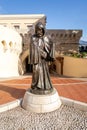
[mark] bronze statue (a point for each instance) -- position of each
(41, 52)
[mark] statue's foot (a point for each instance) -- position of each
(40, 91)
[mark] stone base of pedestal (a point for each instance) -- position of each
(41, 103)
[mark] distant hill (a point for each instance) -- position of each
(82, 42)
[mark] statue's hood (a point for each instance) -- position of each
(40, 25)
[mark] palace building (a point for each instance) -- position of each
(65, 40)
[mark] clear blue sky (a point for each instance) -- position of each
(61, 14)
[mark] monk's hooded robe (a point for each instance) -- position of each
(41, 52)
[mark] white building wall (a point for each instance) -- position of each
(10, 49)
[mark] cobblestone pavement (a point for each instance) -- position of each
(64, 118)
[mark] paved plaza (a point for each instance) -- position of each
(14, 88)
(65, 118)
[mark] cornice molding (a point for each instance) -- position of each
(21, 16)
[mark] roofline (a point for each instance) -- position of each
(22, 16)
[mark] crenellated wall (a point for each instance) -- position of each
(65, 40)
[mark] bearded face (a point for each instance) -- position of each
(39, 30)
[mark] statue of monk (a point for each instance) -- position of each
(41, 52)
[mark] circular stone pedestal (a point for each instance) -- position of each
(41, 103)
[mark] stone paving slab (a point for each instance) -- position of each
(64, 118)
